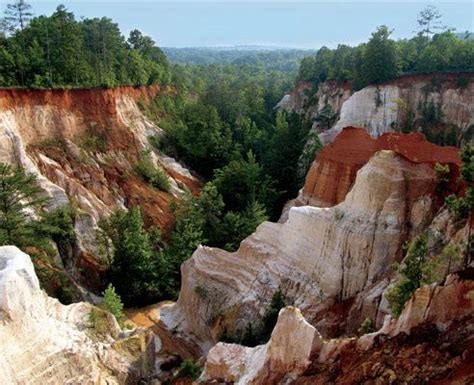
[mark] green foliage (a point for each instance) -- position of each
(467, 158)
(242, 182)
(259, 333)
(308, 155)
(442, 177)
(99, 322)
(367, 326)
(19, 192)
(204, 220)
(58, 50)
(188, 369)
(439, 267)
(156, 176)
(113, 303)
(382, 59)
(326, 117)
(94, 143)
(138, 270)
(461, 207)
(411, 272)
(285, 60)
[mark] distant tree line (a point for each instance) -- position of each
(279, 59)
(58, 50)
(434, 49)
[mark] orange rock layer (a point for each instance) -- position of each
(332, 174)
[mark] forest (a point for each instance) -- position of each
(219, 119)
(282, 59)
(382, 59)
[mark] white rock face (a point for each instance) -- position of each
(384, 108)
(295, 343)
(285, 355)
(45, 342)
(319, 253)
(33, 122)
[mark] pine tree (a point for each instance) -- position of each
(411, 271)
(134, 266)
(20, 195)
(17, 15)
(381, 59)
(113, 303)
(429, 21)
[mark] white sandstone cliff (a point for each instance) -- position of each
(295, 344)
(384, 108)
(44, 342)
(318, 254)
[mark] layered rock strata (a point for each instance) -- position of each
(297, 354)
(333, 173)
(44, 342)
(84, 145)
(389, 106)
(318, 255)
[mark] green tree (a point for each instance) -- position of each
(242, 182)
(151, 173)
(411, 275)
(463, 206)
(136, 268)
(429, 22)
(17, 15)
(366, 327)
(381, 59)
(113, 303)
(19, 194)
(236, 226)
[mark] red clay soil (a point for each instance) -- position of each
(426, 356)
(332, 175)
(99, 101)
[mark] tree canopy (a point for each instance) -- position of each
(435, 48)
(58, 51)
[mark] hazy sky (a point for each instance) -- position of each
(309, 24)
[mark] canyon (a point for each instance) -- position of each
(389, 106)
(369, 191)
(83, 145)
(319, 256)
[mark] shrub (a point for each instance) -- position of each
(152, 174)
(411, 271)
(94, 142)
(460, 207)
(98, 322)
(188, 369)
(113, 303)
(366, 327)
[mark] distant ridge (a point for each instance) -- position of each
(240, 48)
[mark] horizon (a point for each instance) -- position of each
(274, 25)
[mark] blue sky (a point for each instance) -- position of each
(309, 24)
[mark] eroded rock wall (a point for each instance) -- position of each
(388, 107)
(317, 255)
(385, 108)
(84, 145)
(406, 349)
(44, 342)
(333, 173)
